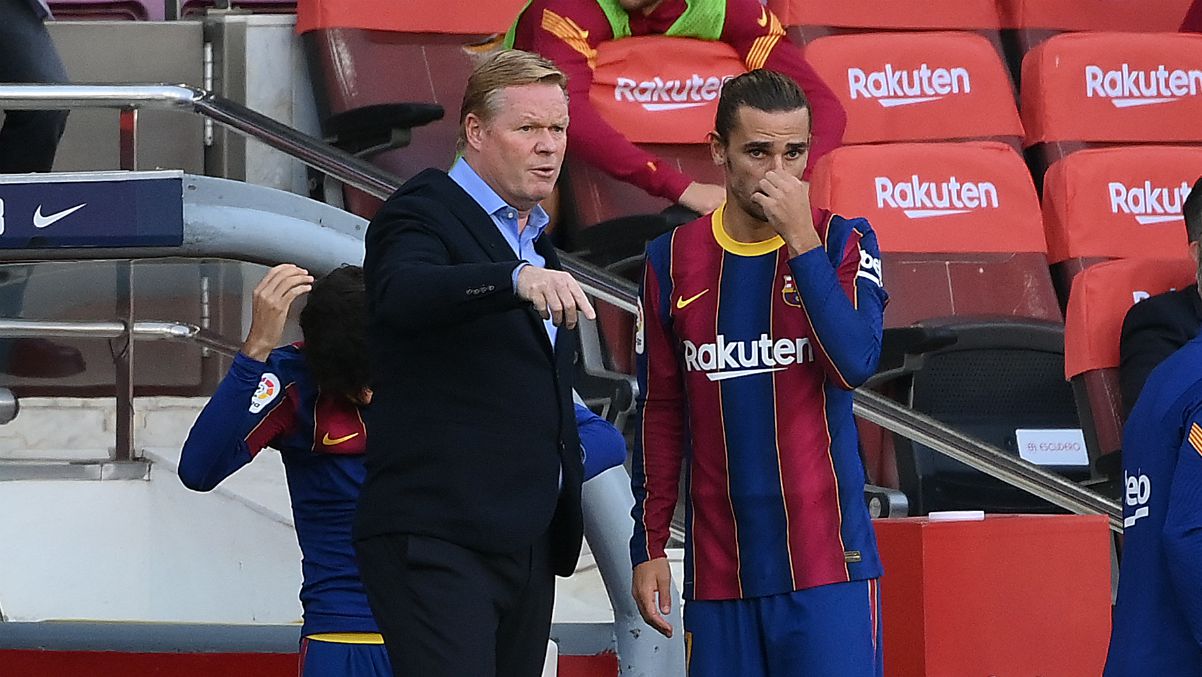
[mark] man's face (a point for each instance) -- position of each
(758, 142)
(519, 150)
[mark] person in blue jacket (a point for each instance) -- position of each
(305, 400)
(1158, 616)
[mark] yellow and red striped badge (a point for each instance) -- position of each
(1195, 437)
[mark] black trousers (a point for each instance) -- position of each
(448, 611)
(28, 138)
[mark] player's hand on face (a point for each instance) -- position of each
(270, 303)
(702, 198)
(556, 295)
(785, 200)
(652, 590)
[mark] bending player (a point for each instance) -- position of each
(759, 321)
(305, 400)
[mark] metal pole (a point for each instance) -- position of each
(123, 362)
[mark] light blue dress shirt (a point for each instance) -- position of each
(506, 219)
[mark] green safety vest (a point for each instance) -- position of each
(702, 20)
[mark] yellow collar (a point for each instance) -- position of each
(735, 247)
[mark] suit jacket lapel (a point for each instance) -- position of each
(477, 222)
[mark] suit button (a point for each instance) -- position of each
(492, 287)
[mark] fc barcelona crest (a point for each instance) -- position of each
(789, 292)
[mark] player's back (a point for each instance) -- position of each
(323, 453)
(1151, 634)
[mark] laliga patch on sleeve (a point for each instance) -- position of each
(1063, 446)
(269, 389)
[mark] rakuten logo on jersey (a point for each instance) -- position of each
(733, 359)
(899, 87)
(1147, 203)
(1127, 87)
(923, 199)
(658, 94)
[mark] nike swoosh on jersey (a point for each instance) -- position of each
(335, 442)
(43, 220)
(763, 20)
(682, 301)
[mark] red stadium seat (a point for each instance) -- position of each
(1099, 301)
(807, 20)
(974, 335)
(918, 87)
(365, 54)
(1112, 203)
(1034, 21)
(959, 225)
(625, 92)
(1084, 89)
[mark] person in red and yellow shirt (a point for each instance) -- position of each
(568, 32)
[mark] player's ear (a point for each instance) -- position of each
(473, 130)
(717, 148)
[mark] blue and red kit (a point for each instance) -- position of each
(746, 362)
(1158, 614)
(322, 442)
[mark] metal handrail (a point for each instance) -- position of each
(991, 460)
(151, 330)
(360, 174)
(339, 164)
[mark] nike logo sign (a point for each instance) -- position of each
(763, 20)
(335, 442)
(682, 301)
(43, 220)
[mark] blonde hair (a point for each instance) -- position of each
(506, 68)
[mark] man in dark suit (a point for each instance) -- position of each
(1157, 326)
(472, 499)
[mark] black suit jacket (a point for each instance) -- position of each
(1154, 329)
(471, 419)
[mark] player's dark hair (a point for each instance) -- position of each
(334, 323)
(760, 89)
(1192, 211)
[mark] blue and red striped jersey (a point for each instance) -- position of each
(322, 441)
(1157, 626)
(746, 362)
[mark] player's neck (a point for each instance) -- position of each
(743, 227)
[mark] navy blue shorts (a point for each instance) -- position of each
(320, 658)
(829, 630)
